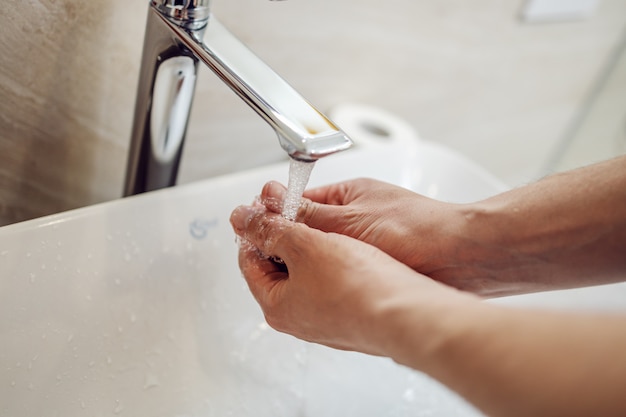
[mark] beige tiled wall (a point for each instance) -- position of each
(465, 73)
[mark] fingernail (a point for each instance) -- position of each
(274, 189)
(240, 217)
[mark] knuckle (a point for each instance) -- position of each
(304, 211)
(257, 228)
(308, 212)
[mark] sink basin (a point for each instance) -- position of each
(137, 307)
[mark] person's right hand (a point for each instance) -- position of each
(418, 231)
(567, 230)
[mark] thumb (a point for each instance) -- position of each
(313, 214)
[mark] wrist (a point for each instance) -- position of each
(465, 248)
(496, 249)
(420, 323)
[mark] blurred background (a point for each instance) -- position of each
(524, 88)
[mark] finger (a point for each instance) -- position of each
(334, 194)
(240, 216)
(263, 229)
(327, 208)
(314, 214)
(261, 274)
(321, 216)
(273, 196)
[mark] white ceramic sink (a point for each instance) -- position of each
(137, 307)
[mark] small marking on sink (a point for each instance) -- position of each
(199, 228)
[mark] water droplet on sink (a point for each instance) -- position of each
(151, 381)
(118, 407)
(409, 395)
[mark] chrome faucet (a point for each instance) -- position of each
(179, 35)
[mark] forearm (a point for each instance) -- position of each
(512, 362)
(566, 230)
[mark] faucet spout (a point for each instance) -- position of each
(174, 45)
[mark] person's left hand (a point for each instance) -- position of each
(331, 289)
